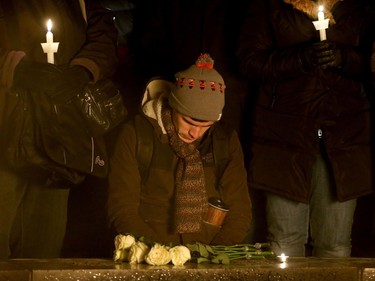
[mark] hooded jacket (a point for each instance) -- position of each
(145, 208)
(293, 106)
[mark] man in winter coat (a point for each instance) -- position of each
(32, 214)
(170, 203)
(310, 146)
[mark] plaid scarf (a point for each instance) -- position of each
(190, 191)
(310, 7)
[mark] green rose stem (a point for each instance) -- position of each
(223, 254)
(243, 251)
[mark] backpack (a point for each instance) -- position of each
(145, 144)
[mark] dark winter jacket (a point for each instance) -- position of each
(293, 104)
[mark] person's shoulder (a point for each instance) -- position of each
(145, 127)
(138, 120)
(222, 129)
(143, 121)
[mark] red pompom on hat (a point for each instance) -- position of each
(205, 61)
(199, 91)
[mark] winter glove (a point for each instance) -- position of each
(35, 76)
(60, 82)
(325, 55)
(328, 55)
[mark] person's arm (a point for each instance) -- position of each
(258, 57)
(235, 194)
(8, 62)
(96, 58)
(99, 53)
(124, 188)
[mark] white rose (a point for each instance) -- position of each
(158, 255)
(124, 241)
(120, 255)
(179, 255)
(137, 252)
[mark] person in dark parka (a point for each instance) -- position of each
(310, 146)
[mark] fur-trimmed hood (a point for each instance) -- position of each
(310, 7)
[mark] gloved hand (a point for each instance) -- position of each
(325, 55)
(59, 81)
(35, 76)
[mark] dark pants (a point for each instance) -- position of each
(32, 218)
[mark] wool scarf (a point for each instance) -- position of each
(190, 191)
(310, 7)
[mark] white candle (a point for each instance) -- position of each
(321, 13)
(50, 47)
(322, 32)
(321, 24)
(283, 257)
(49, 35)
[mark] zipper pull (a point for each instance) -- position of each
(88, 103)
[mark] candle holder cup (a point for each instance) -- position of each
(217, 210)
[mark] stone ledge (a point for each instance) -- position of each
(351, 269)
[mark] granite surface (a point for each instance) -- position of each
(311, 269)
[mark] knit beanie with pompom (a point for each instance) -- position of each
(199, 91)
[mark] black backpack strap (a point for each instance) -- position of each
(220, 143)
(145, 145)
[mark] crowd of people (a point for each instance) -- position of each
(243, 106)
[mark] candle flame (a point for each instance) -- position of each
(49, 25)
(321, 8)
(283, 257)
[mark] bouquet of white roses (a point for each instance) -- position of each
(127, 248)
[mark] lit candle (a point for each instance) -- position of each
(50, 47)
(321, 24)
(321, 13)
(49, 35)
(322, 32)
(283, 257)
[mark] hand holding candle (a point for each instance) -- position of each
(50, 47)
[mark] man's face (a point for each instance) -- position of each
(190, 129)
